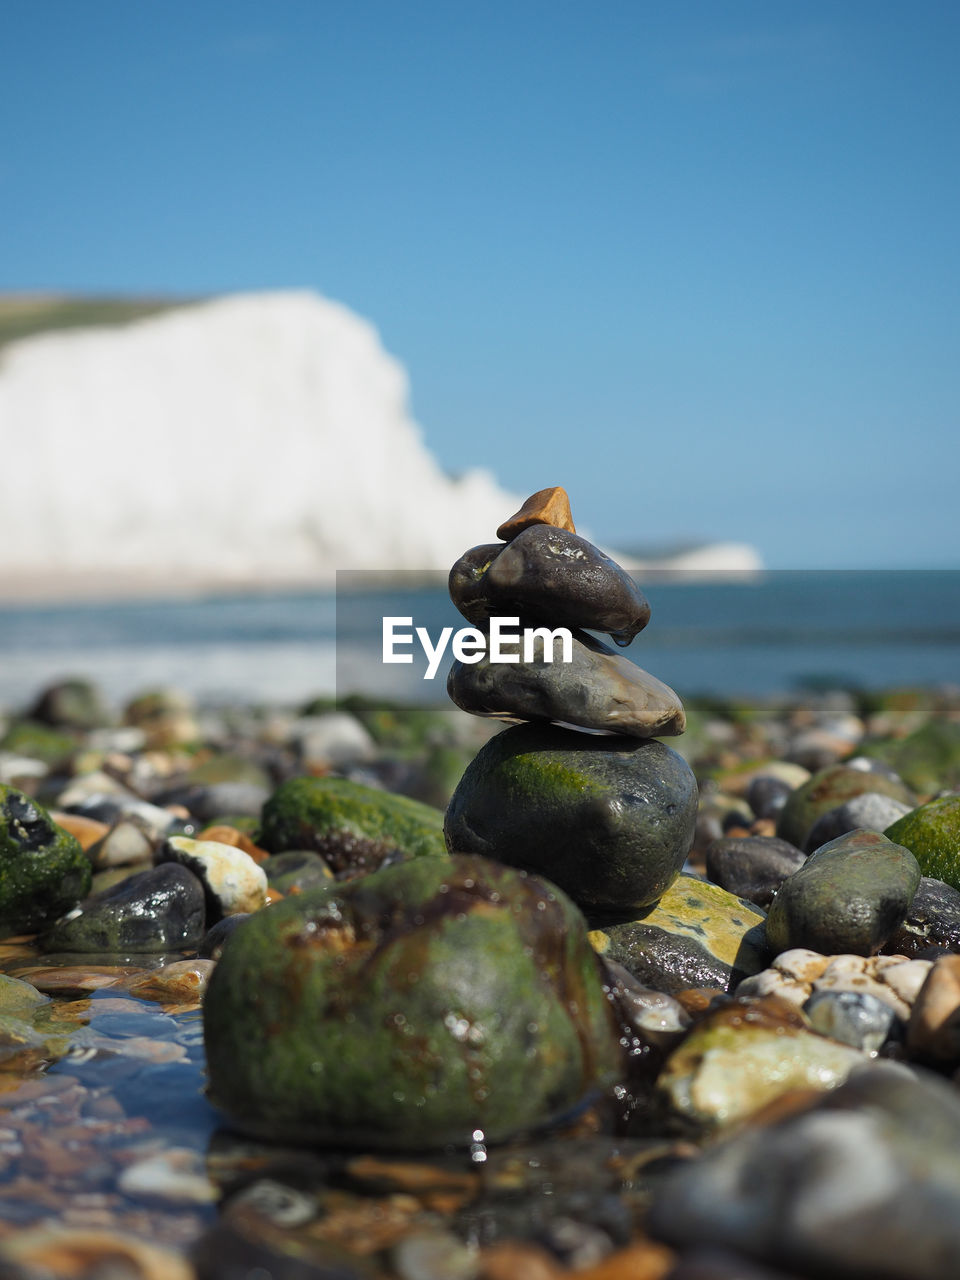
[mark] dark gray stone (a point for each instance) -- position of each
(870, 811)
(932, 920)
(608, 819)
(157, 910)
(752, 867)
(865, 1183)
(766, 795)
(598, 689)
(215, 938)
(849, 896)
(547, 574)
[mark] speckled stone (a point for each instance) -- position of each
(698, 935)
(849, 896)
(795, 976)
(856, 1018)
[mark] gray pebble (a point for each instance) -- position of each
(856, 1018)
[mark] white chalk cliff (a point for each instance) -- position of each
(256, 437)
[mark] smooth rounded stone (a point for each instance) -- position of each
(167, 717)
(870, 811)
(18, 998)
(752, 867)
(932, 920)
(208, 801)
(180, 982)
(697, 935)
(932, 834)
(157, 910)
(598, 689)
(742, 1056)
(850, 895)
(17, 768)
(796, 975)
(934, 1028)
(435, 1254)
(608, 819)
(767, 795)
(113, 806)
(334, 739)
(215, 938)
(124, 844)
(87, 831)
(174, 1176)
(410, 1009)
(856, 1018)
(656, 1016)
(353, 827)
(43, 870)
(546, 506)
(864, 1183)
(72, 704)
(296, 870)
(549, 575)
(232, 882)
(828, 789)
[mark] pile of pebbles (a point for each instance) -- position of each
(375, 993)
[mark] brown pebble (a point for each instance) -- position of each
(518, 1262)
(68, 1253)
(182, 982)
(698, 999)
(223, 834)
(642, 1260)
(934, 1027)
(86, 830)
(546, 506)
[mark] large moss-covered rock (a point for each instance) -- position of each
(43, 870)
(355, 828)
(697, 935)
(827, 790)
(848, 897)
(932, 834)
(609, 819)
(409, 1009)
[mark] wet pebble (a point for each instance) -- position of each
(752, 867)
(856, 1018)
(870, 811)
(233, 883)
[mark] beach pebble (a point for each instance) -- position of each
(215, 937)
(233, 883)
(72, 704)
(856, 1018)
(157, 910)
(766, 795)
(598, 689)
(932, 921)
(738, 1058)
(752, 867)
(849, 896)
(332, 740)
(795, 975)
(546, 574)
(697, 935)
(870, 811)
(608, 819)
(124, 844)
(43, 870)
(932, 834)
(863, 1183)
(180, 982)
(934, 1029)
(354, 827)
(826, 790)
(546, 506)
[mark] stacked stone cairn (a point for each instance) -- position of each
(582, 792)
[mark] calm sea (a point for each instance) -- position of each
(776, 633)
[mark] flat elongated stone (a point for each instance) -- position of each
(849, 896)
(549, 575)
(597, 689)
(609, 819)
(546, 506)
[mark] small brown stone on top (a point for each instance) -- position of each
(546, 506)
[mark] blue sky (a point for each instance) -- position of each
(697, 261)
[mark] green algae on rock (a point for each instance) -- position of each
(849, 896)
(608, 819)
(43, 870)
(932, 834)
(410, 1009)
(355, 828)
(828, 789)
(697, 935)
